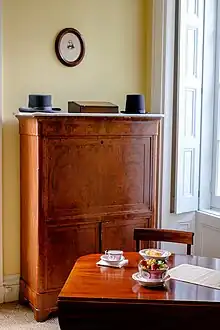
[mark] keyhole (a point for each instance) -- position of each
(101, 142)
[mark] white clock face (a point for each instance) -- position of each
(70, 47)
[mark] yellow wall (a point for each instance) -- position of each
(117, 56)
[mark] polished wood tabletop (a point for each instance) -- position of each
(94, 295)
(89, 281)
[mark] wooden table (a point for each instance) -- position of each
(96, 297)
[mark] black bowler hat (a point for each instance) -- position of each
(135, 103)
(39, 103)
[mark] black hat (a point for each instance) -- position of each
(39, 103)
(135, 103)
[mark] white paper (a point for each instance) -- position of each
(196, 275)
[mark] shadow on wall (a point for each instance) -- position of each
(11, 197)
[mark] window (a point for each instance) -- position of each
(188, 100)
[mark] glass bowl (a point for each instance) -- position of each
(157, 254)
(153, 269)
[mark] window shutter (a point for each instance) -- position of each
(215, 191)
(188, 104)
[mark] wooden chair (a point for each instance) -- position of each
(163, 235)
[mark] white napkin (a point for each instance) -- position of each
(106, 264)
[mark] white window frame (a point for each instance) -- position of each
(208, 98)
(215, 185)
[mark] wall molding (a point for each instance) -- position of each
(207, 234)
(9, 291)
(157, 84)
(163, 32)
(184, 225)
(2, 294)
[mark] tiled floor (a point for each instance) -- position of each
(15, 316)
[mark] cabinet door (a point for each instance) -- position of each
(91, 176)
(64, 246)
(118, 234)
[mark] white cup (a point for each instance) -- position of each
(114, 255)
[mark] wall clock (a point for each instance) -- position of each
(69, 47)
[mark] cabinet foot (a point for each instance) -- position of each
(43, 305)
(41, 315)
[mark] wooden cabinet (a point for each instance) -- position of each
(86, 183)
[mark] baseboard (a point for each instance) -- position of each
(9, 291)
(2, 293)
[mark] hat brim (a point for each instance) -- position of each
(39, 109)
(137, 112)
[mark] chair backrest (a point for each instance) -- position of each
(163, 235)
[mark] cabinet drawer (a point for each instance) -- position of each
(95, 126)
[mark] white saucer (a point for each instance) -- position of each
(112, 262)
(147, 281)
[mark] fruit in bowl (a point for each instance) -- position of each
(155, 253)
(153, 268)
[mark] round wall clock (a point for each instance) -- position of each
(69, 47)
